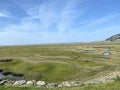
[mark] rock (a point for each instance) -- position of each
(60, 85)
(52, 85)
(69, 84)
(41, 83)
(74, 83)
(29, 83)
(20, 82)
(114, 38)
(9, 83)
(66, 84)
(3, 82)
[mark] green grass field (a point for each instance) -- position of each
(62, 62)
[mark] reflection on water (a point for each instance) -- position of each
(10, 76)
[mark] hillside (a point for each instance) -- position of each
(114, 38)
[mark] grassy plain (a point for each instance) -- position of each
(62, 62)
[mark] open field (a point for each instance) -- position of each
(62, 62)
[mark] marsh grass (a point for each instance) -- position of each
(60, 62)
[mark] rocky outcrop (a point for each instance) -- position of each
(115, 38)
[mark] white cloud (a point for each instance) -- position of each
(68, 16)
(44, 15)
(4, 14)
(49, 15)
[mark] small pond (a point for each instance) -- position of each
(11, 76)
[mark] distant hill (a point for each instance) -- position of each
(114, 38)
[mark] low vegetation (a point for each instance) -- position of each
(62, 62)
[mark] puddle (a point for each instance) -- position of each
(11, 76)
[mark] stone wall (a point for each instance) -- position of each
(103, 79)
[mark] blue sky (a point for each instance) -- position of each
(57, 21)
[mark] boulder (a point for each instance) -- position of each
(29, 83)
(74, 83)
(51, 85)
(3, 82)
(66, 84)
(40, 83)
(9, 83)
(20, 82)
(60, 85)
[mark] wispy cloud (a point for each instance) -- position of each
(69, 15)
(59, 18)
(4, 14)
(49, 17)
(101, 20)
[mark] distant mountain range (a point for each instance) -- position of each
(114, 38)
